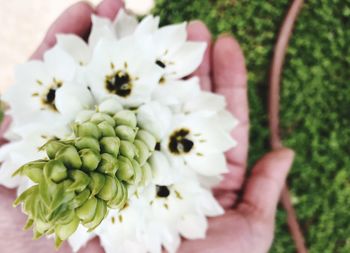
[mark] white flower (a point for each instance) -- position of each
(125, 69)
(43, 90)
(177, 56)
(139, 7)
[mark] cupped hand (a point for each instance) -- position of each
(250, 203)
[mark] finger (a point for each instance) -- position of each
(198, 31)
(109, 8)
(265, 185)
(76, 19)
(230, 80)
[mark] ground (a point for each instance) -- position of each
(315, 103)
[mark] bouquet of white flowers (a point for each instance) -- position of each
(114, 138)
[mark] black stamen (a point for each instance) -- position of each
(160, 64)
(157, 146)
(162, 191)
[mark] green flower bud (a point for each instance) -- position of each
(88, 129)
(110, 106)
(126, 170)
(65, 231)
(125, 117)
(127, 149)
(108, 164)
(125, 133)
(80, 181)
(55, 170)
(86, 212)
(106, 129)
(90, 159)
(101, 212)
(120, 198)
(99, 117)
(35, 174)
(61, 215)
(24, 195)
(108, 190)
(59, 197)
(87, 142)
(110, 145)
(38, 164)
(81, 198)
(84, 116)
(41, 226)
(52, 147)
(70, 157)
(146, 174)
(142, 151)
(137, 172)
(97, 182)
(147, 138)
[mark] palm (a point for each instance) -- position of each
(247, 226)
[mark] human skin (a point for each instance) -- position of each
(250, 202)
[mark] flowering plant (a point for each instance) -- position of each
(114, 138)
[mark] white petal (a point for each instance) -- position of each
(155, 118)
(125, 24)
(193, 226)
(208, 205)
(148, 25)
(6, 170)
(209, 165)
(163, 172)
(205, 101)
(101, 29)
(170, 38)
(226, 120)
(175, 93)
(70, 99)
(80, 238)
(75, 46)
(60, 64)
(186, 60)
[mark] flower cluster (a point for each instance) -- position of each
(125, 144)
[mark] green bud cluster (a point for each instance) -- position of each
(87, 174)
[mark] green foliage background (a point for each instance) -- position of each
(315, 103)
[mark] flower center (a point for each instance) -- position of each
(162, 191)
(49, 98)
(179, 142)
(119, 84)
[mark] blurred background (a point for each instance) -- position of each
(315, 97)
(23, 26)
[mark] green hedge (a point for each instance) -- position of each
(315, 103)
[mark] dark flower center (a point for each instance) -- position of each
(162, 191)
(119, 84)
(157, 147)
(179, 143)
(50, 97)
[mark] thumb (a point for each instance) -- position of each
(265, 185)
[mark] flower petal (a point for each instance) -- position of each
(70, 99)
(75, 46)
(124, 24)
(162, 170)
(193, 226)
(101, 29)
(209, 165)
(186, 60)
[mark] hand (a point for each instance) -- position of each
(248, 223)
